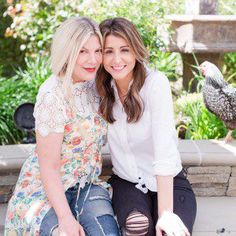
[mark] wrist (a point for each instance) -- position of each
(64, 215)
(160, 213)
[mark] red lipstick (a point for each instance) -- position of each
(90, 69)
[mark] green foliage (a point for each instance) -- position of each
(29, 26)
(38, 20)
(22, 87)
(227, 7)
(229, 67)
(10, 54)
(199, 123)
(167, 63)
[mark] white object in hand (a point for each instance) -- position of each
(172, 225)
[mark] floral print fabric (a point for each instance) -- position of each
(80, 162)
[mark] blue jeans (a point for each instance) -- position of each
(95, 212)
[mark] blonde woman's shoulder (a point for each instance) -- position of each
(49, 85)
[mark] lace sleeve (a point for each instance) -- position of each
(49, 114)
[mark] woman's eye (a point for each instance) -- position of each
(125, 50)
(99, 51)
(107, 51)
(82, 51)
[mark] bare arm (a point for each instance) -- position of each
(165, 194)
(49, 154)
(166, 156)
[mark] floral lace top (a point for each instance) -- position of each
(84, 135)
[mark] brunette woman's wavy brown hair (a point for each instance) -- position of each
(133, 105)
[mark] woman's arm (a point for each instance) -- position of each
(165, 194)
(49, 156)
(167, 161)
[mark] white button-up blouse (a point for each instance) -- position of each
(147, 148)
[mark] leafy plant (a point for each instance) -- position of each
(227, 7)
(35, 22)
(167, 62)
(198, 122)
(22, 87)
(10, 54)
(229, 67)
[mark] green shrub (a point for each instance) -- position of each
(22, 87)
(35, 24)
(229, 67)
(10, 54)
(167, 63)
(198, 122)
(227, 7)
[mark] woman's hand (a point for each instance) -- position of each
(69, 226)
(171, 224)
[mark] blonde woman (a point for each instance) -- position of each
(58, 191)
(156, 197)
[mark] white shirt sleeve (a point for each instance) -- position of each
(48, 113)
(166, 155)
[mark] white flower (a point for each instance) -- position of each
(22, 47)
(40, 43)
(13, 25)
(63, 13)
(18, 7)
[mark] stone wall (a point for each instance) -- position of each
(210, 164)
(213, 180)
(231, 191)
(206, 181)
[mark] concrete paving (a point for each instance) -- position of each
(216, 216)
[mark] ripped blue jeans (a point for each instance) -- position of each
(96, 215)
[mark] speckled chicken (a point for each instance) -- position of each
(219, 97)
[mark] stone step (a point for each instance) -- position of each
(193, 153)
(215, 217)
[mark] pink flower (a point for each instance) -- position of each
(10, 215)
(68, 128)
(76, 141)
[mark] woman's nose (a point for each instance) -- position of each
(117, 58)
(92, 58)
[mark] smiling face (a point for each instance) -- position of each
(88, 60)
(119, 59)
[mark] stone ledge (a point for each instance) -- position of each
(193, 153)
(210, 164)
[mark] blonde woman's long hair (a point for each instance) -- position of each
(67, 42)
(133, 105)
